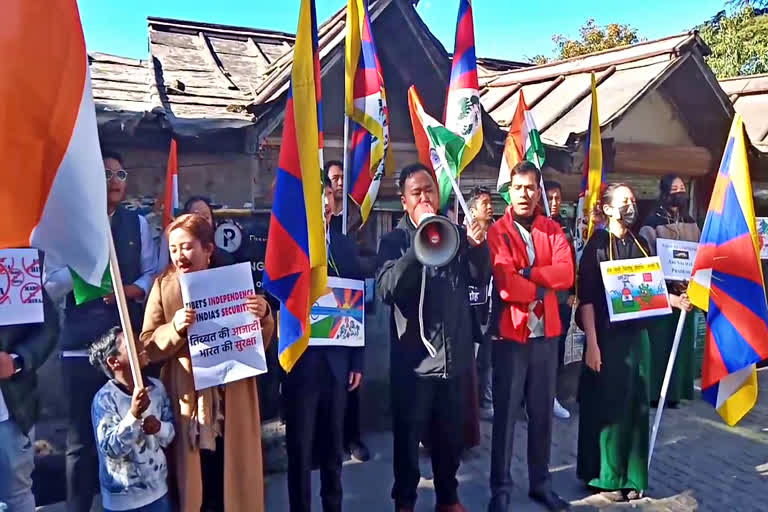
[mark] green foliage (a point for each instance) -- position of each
(739, 42)
(592, 38)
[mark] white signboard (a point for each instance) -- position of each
(677, 258)
(21, 291)
(762, 232)
(338, 317)
(225, 341)
(635, 289)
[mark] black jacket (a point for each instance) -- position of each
(448, 320)
(343, 262)
(34, 343)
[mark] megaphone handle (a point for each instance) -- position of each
(424, 340)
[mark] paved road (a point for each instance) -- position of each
(700, 464)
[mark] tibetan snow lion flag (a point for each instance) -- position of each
(53, 195)
(727, 283)
(366, 106)
(295, 267)
(462, 107)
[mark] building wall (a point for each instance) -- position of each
(654, 121)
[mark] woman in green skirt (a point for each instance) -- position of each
(613, 388)
(670, 220)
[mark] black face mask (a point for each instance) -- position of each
(628, 215)
(679, 200)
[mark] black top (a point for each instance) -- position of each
(447, 317)
(591, 289)
(661, 216)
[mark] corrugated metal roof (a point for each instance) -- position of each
(558, 93)
(749, 95)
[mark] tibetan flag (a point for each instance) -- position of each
(523, 143)
(170, 202)
(53, 196)
(366, 106)
(295, 269)
(727, 283)
(439, 148)
(592, 179)
(462, 107)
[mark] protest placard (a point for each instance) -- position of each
(635, 288)
(762, 231)
(21, 291)
(225, 341)
(677, 257)
(338, 317)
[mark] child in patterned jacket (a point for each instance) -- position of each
(132, 427)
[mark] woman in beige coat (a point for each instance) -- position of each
(218, 426)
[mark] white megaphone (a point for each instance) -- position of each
(436, 241)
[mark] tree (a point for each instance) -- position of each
(592, 38)
(739, 42)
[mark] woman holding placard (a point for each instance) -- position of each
(613, 388)
(670, 221)
(215, 460)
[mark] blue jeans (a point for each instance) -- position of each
(161, 505)
(17, 460)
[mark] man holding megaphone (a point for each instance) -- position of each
(426, 265)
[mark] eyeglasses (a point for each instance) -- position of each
(121, 174)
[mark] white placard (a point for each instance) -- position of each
(677, 257)
(21, 291)
(225, 341)
(635, 288)
(762, 232)
(338, 317)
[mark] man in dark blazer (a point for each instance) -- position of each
(315, 393)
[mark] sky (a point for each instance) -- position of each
(504, 29)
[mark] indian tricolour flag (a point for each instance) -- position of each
(53, 196)
(438, 147)
(523, 143)
(170, 203)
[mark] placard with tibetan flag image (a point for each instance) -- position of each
(462, 106)
(338, 317)
(366, 106)
(438, 147)
(523, 142)
(295, 267)
(592, 180)
(727, 283)
(54, 195)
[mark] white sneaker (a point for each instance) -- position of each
(560, 411)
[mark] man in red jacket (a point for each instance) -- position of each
(531, 260)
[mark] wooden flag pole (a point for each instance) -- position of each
(665, 384)
(125, 319)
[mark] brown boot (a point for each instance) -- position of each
(450, 508)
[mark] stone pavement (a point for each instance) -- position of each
(700, 464)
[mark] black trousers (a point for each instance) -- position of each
(483, 360)
(352, 418)
(212, 473)
(314, 402)
(437, 404)
(82, 382)
(522, 373)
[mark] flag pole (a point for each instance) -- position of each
(345, 201)
(456, 190)
(125, 319)
(541, 184)
(665, 384)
